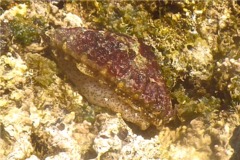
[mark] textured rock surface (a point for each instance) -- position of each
(43, 117)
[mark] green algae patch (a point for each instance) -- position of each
(190, 107)
(43, 69)
(26, 30)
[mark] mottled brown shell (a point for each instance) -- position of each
(124, 63)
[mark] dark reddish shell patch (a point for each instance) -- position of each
(125, 59)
